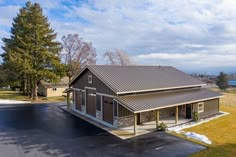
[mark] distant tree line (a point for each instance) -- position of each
(32, 53)
(220, 80)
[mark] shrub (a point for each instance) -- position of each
(162, 127)
(195, 116)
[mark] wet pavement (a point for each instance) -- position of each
(46, 131)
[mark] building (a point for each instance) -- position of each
(119, 96)
(232, 83)
(48, 89)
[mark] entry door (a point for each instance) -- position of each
(108, 109)
(78, 102)
(138, 118)
(189, 111)
(91, 102)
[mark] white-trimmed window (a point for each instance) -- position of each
(90, 80)
(98, 102)
(83, 98)
(115, 109)
(200, 107)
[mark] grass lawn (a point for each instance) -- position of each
(221, 131)
(53, 99)
(14, 95)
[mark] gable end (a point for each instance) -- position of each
(82, 81)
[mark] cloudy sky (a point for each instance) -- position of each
(192, 35)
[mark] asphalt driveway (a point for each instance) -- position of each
(46, 131)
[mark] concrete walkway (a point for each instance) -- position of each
(151, 126)
(128, 132)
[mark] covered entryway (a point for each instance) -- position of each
(91, 102)
(173, 101)
(108, 109)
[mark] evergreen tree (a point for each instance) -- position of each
(222, 81)
(31, 51)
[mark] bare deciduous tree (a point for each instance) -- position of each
(76, 53)
(118, 57)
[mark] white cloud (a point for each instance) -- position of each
(48, 4)
(200, 31)
(189, 61)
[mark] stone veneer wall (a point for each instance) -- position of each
(83, 108)
(123, 121)
(151, 115)
(167, 112)
(182, 112)
(144, 117)
(99, 115)
(71, 105)
(147, 116)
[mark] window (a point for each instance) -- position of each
(115, 108)
(90, 79)
(98, 99)
(54, 89)
(200, 107)
(83, 98)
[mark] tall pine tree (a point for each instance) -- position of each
(31, 51)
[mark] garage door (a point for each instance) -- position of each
(78, 96)
(108, 110)
(91, 102)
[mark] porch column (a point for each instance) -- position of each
(157, 118)
(176, 115)
(135, 123)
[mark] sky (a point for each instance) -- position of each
(191, 35)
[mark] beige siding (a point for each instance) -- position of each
(57, 92)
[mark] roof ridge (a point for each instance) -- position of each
(129, 65)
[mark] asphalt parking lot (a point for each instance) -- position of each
(46, 131)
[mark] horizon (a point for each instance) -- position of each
(195, 37)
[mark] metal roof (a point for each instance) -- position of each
(147, 102)
(134, 79)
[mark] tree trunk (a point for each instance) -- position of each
(34, 93)
(28, 86)
(25, 85)
(69, 79)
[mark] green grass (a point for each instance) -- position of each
(14, 95)
(56, 98)
(221, 131)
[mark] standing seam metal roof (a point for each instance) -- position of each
(144, 102)
(137, 78)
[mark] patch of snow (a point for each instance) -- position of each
(3, 101)
(158, 148)
(179, 128)
(198, 137)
